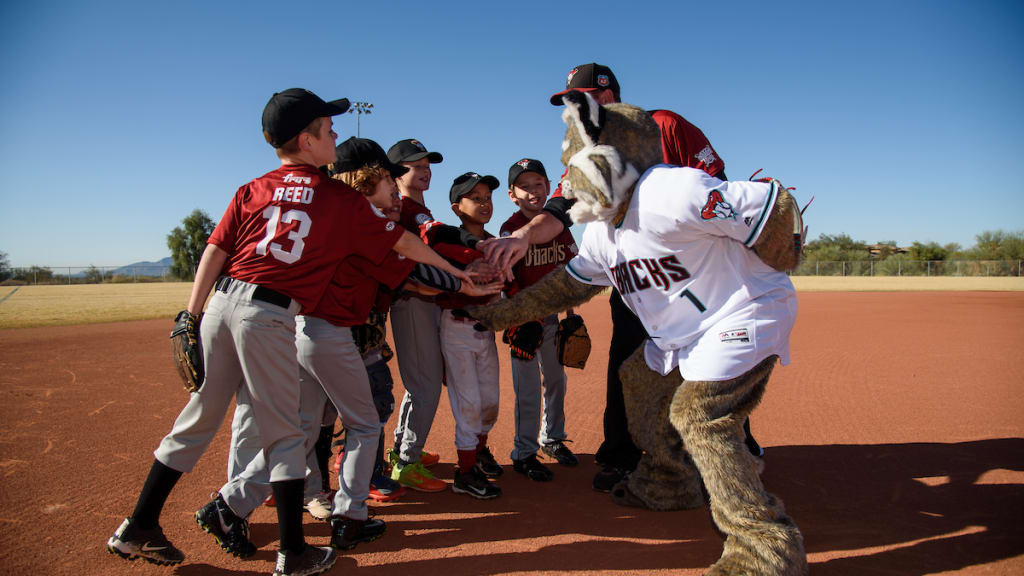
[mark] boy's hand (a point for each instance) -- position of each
(481, 289)
(503, 252)
(482, 270)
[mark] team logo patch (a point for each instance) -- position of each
(717, 207)
(602, 80)
(418, 145)
(389, 226)
(707, 156)
(524, 163)
(738, 335)
(422, 219)
(571, 74)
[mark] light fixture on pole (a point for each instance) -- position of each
(360, 108)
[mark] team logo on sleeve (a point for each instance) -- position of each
(717, 207)
(422, 218)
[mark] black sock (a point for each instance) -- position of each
(378, 465)
(158, 486)
(323, 456)
(288, 495)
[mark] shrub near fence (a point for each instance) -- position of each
(89, 275)
(899, 266)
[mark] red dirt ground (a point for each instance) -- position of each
(895, 438)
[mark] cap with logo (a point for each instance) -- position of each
(464, 185)
(289, 112)
(525, 165)
(411, 150)
(587, 78)
(354, 153)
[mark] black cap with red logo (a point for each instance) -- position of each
(525, 165)
(587, 78)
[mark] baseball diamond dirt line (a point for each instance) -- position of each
(894, 439)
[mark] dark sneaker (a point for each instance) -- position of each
(130, 543)
(384, 489)
(559, 451)
(312, 560)
(230, 531)
(533, 469)
(475, 483)
(608, 477)
(346, 532)
(485, 460)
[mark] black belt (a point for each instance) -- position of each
(261, 293)
(460, 315)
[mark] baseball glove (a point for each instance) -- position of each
(370, 336)
(187, 350)
(573, 342)
(523, 340)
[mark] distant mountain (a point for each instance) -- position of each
(158, 268)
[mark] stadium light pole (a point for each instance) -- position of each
(360, 108)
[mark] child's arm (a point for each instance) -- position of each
(210, 265)
(411, 247)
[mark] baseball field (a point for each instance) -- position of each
(895, 438)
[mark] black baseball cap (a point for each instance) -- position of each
(411, 150)
(525, 165)
(354, 153)
(289, 112)
(464, 185)
(587, 78)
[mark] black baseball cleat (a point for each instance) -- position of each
(533, 469)
(151, 545)
(230, 531)
(559, 451)
(608, 477)
(312, 560)
(475, 483)
(488, 465)
(347, 532)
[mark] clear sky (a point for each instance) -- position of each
(903, 118)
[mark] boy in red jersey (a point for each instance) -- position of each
(272, 255)
(528, 189)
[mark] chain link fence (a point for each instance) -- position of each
(905, 267)
(40, 275)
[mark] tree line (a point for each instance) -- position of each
(187, 242)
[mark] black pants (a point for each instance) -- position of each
(628, 334)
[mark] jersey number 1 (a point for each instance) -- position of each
(273, 216)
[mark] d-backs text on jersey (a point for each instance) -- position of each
(642, 273)
(538, 256)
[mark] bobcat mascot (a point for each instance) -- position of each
(702, 263)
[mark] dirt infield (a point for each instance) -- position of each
(895, 439)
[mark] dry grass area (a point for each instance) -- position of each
(907, 283)
(28, 306)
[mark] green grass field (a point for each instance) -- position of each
(28, 306)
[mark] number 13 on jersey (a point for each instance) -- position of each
(296, 236)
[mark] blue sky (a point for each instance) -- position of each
(903, 119)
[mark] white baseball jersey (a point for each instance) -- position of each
(681, 260)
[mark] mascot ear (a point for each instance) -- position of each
(584, 118)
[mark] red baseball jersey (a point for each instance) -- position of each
(682, 144)
(353, 291)
(289, 229)
(416, 218)
(540, 258)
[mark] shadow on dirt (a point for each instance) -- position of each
(884, 509)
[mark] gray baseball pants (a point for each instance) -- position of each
(246, 343)
(415, 326)
(329, 361)
(532, 407)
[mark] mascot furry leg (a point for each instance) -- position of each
(665, 478)
(760, 537)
